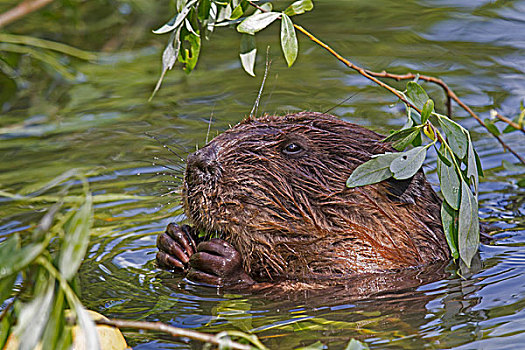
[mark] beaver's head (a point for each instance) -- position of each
(274, 187)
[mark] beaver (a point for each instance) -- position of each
(272, 191)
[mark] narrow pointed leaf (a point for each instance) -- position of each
(257, 22)
(472, 166)
(34, 317)
(375, 170)
(468, 226)
(456, 137)
(428, 108)
(248, 53)
(177, 20)
(408, 163)
(448, 219)
(449, 181)
(288, 40)
(87, 331)
(76, 239)
(416, 94)
(13, 258)
(299, 7)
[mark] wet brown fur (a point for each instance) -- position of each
(292, 217)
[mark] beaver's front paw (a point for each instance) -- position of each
(176, 246)
(218, 263)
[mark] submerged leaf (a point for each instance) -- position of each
(288, 40)
(375, 170)
(408, 163)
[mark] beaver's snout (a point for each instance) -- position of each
(202, 165)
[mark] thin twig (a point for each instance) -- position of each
(372, 76)
(510, 122)
(255, 107)
(20, 10)
(174, 332)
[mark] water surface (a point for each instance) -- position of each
(99, 123)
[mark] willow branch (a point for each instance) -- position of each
(174, 332)
(20, 10)
(510, 122)
(374, 75)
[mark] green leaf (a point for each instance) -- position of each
(442, 157)
(5, 326)
(13, 258)
(416, 94)
(478, 164)
(400, 145)
(204, 9)
(314, 346)
(468, 228)
(456, 137)
(428, 108)
(299, 7)
(288, 40)
(76, 239)
(472, 166)
(189, 56)
(87, 329)
(257, 22)
(408, 163)
(401, 134)
(169, 57)
(34, 316)
(448, 219)
(521, 183)
(418, 141)
(372, 171)
(489, 123)
(355, 344)
(176, 21)
(248, 53)
(449, 181)
(55, 329)
(6, 287)
(238, 11)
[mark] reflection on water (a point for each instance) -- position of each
(100, 126)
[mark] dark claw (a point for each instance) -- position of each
(218, 263)
(176, 245)
(182, 236)
(171, 247)
(202, 277)
(168, 262)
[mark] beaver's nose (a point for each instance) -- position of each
(204, 161)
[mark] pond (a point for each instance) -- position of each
(101, 123)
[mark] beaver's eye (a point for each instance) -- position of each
(292, 148)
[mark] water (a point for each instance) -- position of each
(100, 122)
